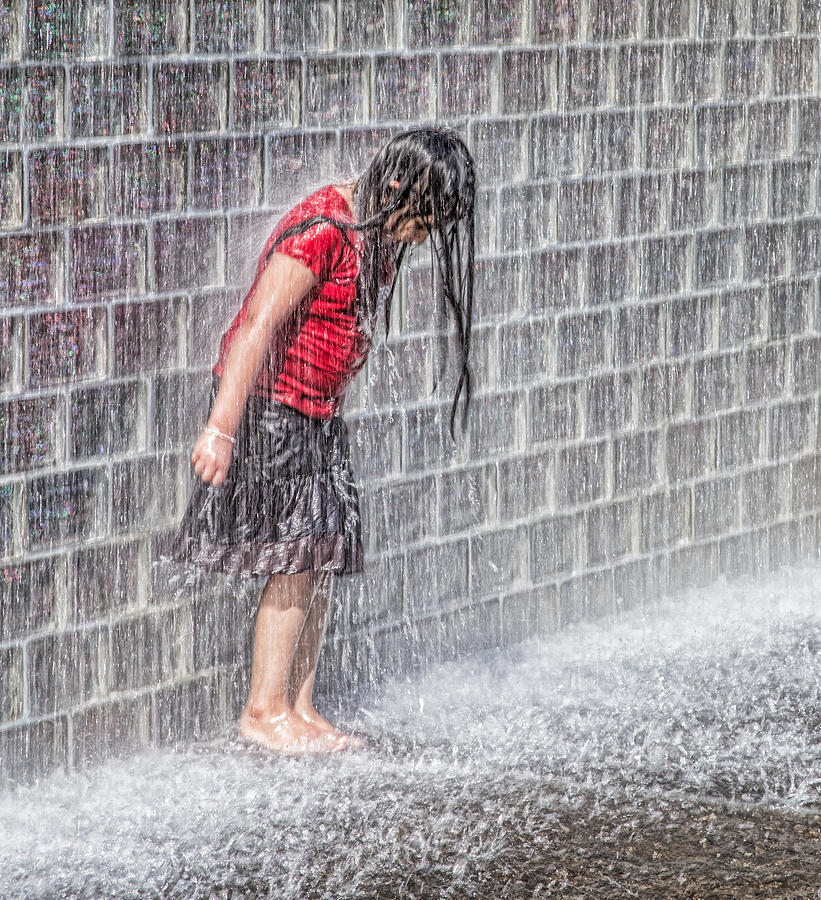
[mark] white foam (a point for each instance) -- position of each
(715, 694)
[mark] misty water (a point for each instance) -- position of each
(629, 757)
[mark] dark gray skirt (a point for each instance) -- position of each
(288, 503)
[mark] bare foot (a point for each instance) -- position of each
(286, 733)
(324, 727)
(315, 720)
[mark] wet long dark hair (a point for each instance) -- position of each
(436, 179)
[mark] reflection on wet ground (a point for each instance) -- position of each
(675, 752)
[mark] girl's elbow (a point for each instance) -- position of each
(256, 329)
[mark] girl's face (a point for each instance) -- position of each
(407, 227)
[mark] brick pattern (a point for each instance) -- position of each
(647, 327)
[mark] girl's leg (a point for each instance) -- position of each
(306, 656)
(269, 717)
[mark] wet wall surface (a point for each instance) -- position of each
(646, 331)
(671, 753)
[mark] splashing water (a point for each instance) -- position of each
(626, 758)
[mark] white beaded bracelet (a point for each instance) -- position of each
(226, 437)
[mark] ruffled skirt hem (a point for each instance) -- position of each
(326, 553)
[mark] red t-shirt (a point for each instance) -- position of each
(318, 349)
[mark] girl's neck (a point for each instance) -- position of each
(346, 191)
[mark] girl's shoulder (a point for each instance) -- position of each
(320, 246)
(326, 201)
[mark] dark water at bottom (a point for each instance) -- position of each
(675, 752)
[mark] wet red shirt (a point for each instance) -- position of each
(320, 347)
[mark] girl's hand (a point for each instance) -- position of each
(211, 457)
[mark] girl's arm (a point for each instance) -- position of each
(281, 288)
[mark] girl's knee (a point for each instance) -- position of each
(285, 591)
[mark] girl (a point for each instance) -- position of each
(276, 495)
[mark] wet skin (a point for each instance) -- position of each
(279, 713)
(408, 230)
